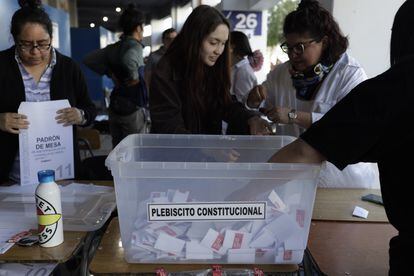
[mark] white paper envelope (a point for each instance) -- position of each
(214, 241)
(169, 244)
(236, 239)
(198, 229)
(195, 251)
(45, 145)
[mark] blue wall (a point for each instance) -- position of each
(58, 17)
(84, 41)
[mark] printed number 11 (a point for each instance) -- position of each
(59, 170)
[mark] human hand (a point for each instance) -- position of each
(277, 114)
(259, 126)
(13, 122)
(69, 116)
(256, 96)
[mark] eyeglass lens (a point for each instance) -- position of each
(40, 47)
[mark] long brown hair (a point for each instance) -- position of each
(206, 87)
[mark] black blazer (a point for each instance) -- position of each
(169, 113)
(67, 82)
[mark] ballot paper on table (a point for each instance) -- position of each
(45, 145)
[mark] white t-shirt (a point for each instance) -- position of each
(343, 77)
(243, 80)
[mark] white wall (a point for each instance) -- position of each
(180, 14)
(367, 23)
(158, 26)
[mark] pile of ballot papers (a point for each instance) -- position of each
(280, 237)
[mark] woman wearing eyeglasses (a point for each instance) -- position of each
(32, 70)
(319, 73)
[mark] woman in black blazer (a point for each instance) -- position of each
(32, 62)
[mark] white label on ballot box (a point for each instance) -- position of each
(45, 145)
(207, 211)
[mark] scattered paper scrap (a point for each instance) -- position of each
(360, 212)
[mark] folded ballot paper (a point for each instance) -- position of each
(176, 227)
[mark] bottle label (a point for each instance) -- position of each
(48, 219)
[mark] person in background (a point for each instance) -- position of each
(190, 89)
(122, 61)
(319, 74)
(373, 123)
(244, 63)
(32, 70)
(167, 38)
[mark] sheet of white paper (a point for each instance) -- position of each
(45, 144)
(263, 239)
(360, 212)
(277, 201)
(214, 240)
(196, 251)
(198, 229)
(180, 196)
(169, 244)
(236, 239)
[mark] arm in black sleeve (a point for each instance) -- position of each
(165, 103)
(97, 62)
(83, 101)
(236, 115)
(360, 127)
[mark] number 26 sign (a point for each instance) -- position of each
(245, 20)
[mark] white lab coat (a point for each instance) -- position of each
(343, 77)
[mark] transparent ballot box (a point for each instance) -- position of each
(211, 199)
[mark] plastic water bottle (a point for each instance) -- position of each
(49, 210)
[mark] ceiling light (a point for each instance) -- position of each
(105, 18)
(118, 9)
(92, 25)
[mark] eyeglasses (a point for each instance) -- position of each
(298, 48)
(29, 47)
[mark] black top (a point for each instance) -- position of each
(167, 102)
(373, 123)
(67, 82)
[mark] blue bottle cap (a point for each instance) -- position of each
(46, 176)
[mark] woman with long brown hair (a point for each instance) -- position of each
(190, 89)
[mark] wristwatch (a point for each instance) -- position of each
(292, 115)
